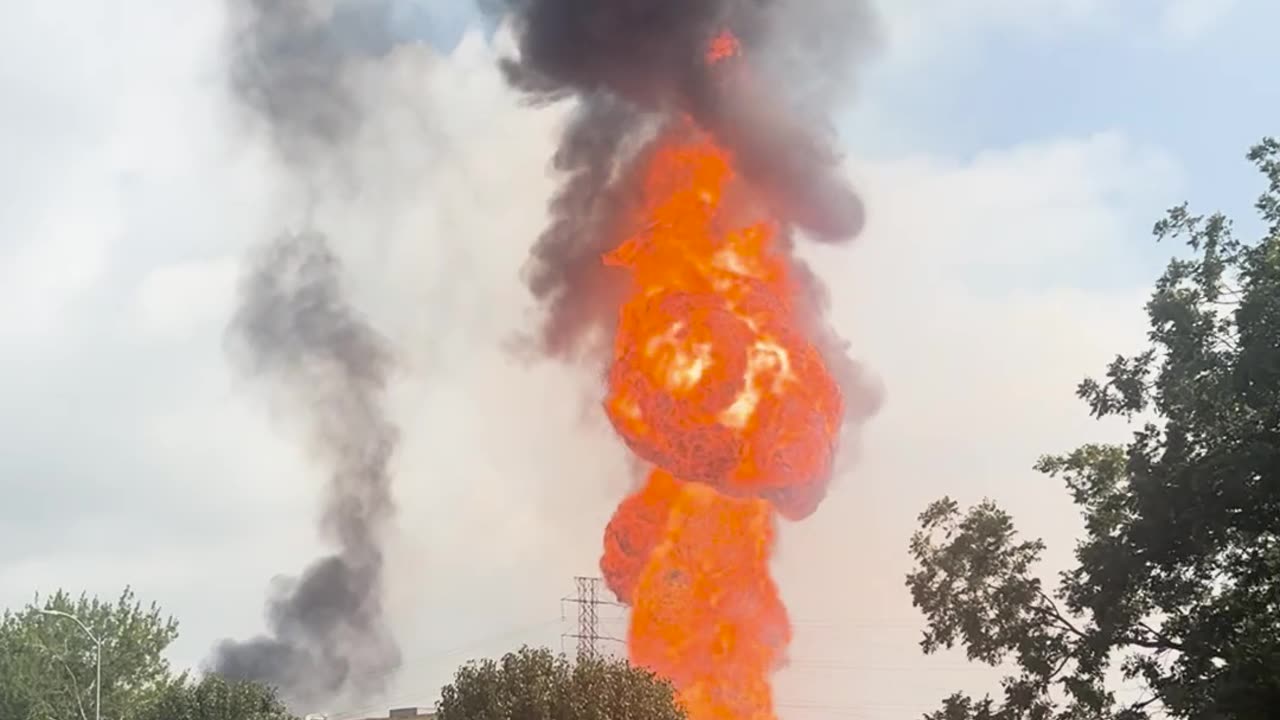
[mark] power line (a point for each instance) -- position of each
(589, 637)
(923, 667)
(886, 624)
(443, 655)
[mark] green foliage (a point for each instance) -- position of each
(48, 667)
(214, 698)
(47, 663)
(534, 684)
(1176, 585)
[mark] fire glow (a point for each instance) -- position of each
(714, 384)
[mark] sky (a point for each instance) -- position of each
(1013, 157)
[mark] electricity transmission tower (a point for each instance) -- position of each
(588, 602)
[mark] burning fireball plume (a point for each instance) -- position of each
(688, 169)
(329, 636)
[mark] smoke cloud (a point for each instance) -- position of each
(653, 55)
(295, 332)
(294, 65)
(632, 66)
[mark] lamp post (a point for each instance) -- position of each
(97, 644)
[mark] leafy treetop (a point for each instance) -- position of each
(48, 667)
(534, 684)
(215, 698)
(1176, 585)
(47, 663)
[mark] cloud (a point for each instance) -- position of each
(923, 31)
(1184, 21)
(141, 461)
(1015, 194)
(979, 379)
(176, 299)
(919, 31)
(46, 280)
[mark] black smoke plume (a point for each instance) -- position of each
(633, 66)
(296, 334)
(291, 65)
(565, 270)
(654, 54)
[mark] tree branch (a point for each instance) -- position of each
(75, 686)
(1051, 609)
(1142, 705)
(1066, 657)
(1162, 638)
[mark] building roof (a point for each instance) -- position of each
(407, 713)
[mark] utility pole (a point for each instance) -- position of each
(97, 645)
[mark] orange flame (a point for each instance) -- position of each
(711, 380)
(713, 383)
(723, 46)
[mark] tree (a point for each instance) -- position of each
(47, 663)
(1176, 583)
(48, 667)
(534, 684)
(215, 698)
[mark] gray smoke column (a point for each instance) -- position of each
(635, 67)
(295, 333)
(291, 63)
(292, 66)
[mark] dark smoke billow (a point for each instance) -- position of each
(291, 65)
(652, 54)
(564, 271)
(296, 334)
(632, 65)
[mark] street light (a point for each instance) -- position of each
(97, 644)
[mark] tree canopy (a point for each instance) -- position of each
(48, 667)
(215, 698)
(1175, 589)
(47, 662)
(534, 684)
